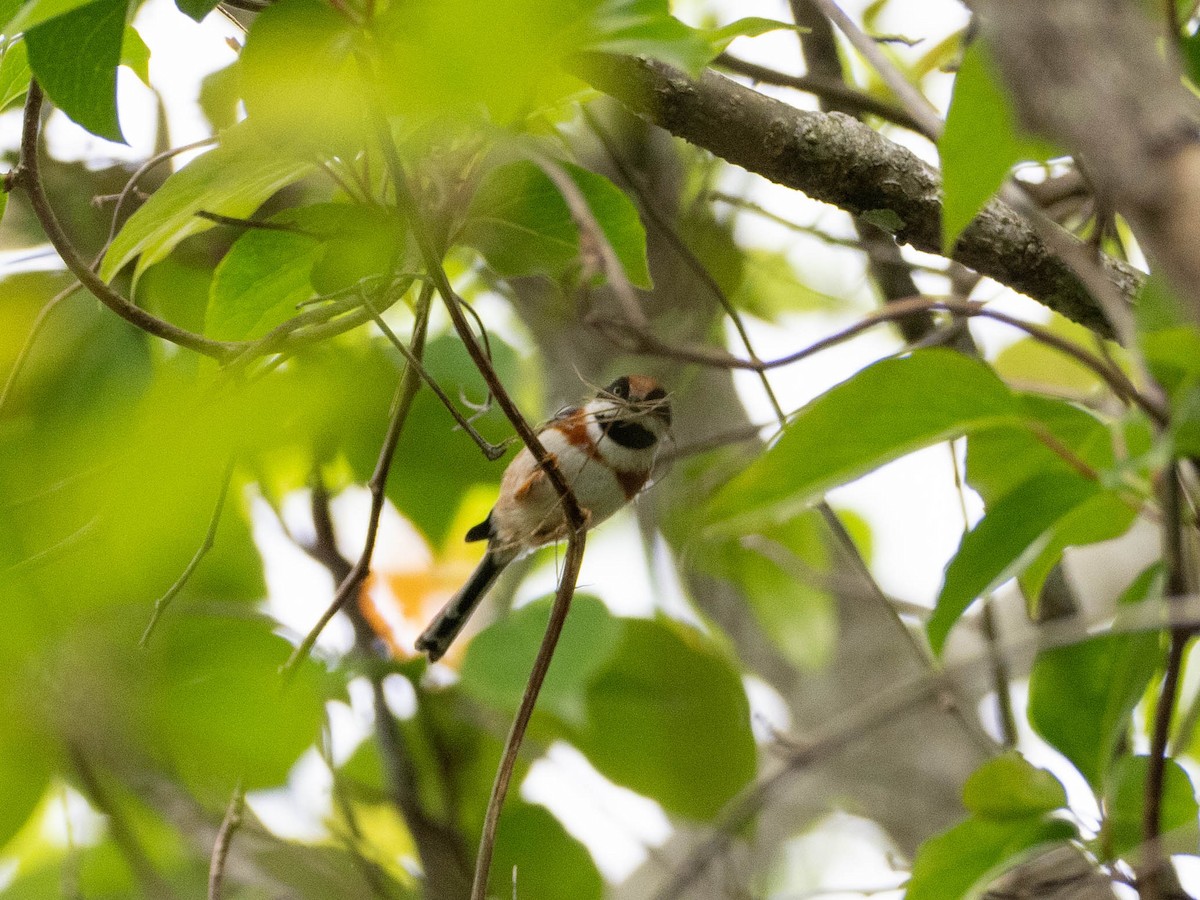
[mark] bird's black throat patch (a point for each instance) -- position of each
(633, 435)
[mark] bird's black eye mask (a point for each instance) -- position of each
(619, 388)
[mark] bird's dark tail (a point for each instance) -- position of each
(437, 638)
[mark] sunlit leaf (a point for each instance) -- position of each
(771, 285)
(25, 17)
(522, 224)
(232, 180)
(1081, 696)
(981, 142)
(14, 75)
(259, 283)
(1009, 787)
(750, 26)
(219, 707)
(75, 58)
(135, 54)
(1010, 535)
(885, 411)
(668, 717)
(300, 79)
(1123, 830)
(536, 857)
(964, 859)
(498, 661)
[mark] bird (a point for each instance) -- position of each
(605, 449)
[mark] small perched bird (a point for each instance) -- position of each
(605, 449)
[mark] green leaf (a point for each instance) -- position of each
(770, 285)
(668, 717)
(196, 9)
(75, 58)
(1032, 362)
(964, 860)
(1001, 459)
(981, 143)
(135, 55)
(35, 12)
(14, 75)
(1081, 696)
(496, 667)
(783, 573)
(1009, 536)
(647, 28)
(1169, 339)
(750, 26)
(1126, 794)
(300, 79)
(522, 224)
(1009, 787)
(232, 180)
(218, 708)
(536, 857)
(259, 283)
(884, 219)
(25, 770)
(885, 411)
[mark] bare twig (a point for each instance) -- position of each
(512, 746)
(1112, 376)
(27, 176)
(844, 95)
(220, 853)
(161, 604)
(401, 404)
(667, 229)
(490, 450)
(408, 209)
(1154, 873)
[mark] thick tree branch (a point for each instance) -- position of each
(835, 159)
(1091, 76)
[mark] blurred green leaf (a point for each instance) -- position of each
(1001, 459)
(981, 143)
(196, 9)
(782, 572)
(647, 28)
(522, 224)
(962, 861)
(1033, 362)
(537, 858)
(220, 97)
(26, 764)
(25, 17)
(217, 708)
(14, 75)
(885, 411)
(750, 26)
(300, 80)
(231, 180)
(498, 661)
(771, 285)
(135, 54)
(1009, 787)
(1125, 795)
(668, 717)
(260, 283)
(1011, 534)
(75, 58)
(1081, 696)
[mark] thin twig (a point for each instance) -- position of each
(541, 664)
(843, 94)
(709, 356)
(913, 100)
(406, 390)
(27, 176)
(1154, 871)
(161, 604)
(220, 853)
(667, 229)
(409, 211)
(490, 450)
